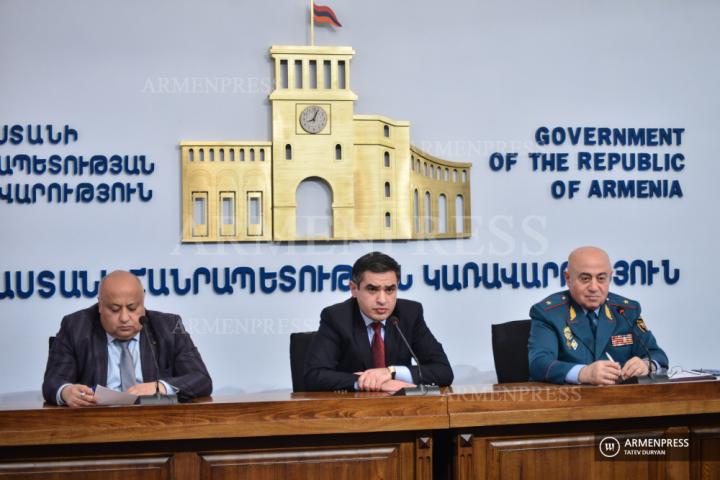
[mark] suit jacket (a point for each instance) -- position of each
(79, 355)
(341, 347)
(561, 336)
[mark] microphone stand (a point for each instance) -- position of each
(653, 376)
(422, 388)
(158, 398)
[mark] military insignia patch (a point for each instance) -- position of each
(641, 324)
(607, 312)
(569, 340)
(572, 314)
(620, 340)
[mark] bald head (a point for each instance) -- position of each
(121, 303)
(120, 280)
(589, 254)
(588, 276)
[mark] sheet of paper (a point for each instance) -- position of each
(106, 396)
(690, 375)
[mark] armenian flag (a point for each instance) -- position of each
(324, 14)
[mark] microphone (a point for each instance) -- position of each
(652, 376)
(158, 398)
(422, 388)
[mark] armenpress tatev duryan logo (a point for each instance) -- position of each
(642, 446)
(609, 447)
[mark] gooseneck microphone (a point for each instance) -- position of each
(158, 398)
(652, 376)
(422, 388)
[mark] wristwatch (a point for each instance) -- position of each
(392, 371)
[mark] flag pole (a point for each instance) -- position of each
(312, 23)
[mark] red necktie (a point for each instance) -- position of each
(378, 346)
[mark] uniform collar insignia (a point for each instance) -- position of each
(608, 314)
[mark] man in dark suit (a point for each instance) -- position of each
(107, 344)
(358, 348)
(587, 334)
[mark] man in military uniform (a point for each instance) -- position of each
(586, 334)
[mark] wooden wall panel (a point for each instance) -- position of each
(558, 457)
(706, 453)
(381, 462)
(141, 468)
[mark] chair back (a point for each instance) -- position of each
(510, 351)
(299, 345)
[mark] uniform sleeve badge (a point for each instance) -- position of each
(641, 324)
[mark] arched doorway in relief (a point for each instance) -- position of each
(459, 214)
(313, 213)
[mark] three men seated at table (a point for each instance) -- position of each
(587, 334)
(582, 335)
(108, 344)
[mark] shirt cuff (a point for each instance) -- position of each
(58, 395)
(169, 389)
(403, 374)
(657, 365)
(573, 374)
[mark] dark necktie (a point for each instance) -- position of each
(127, 368)
(378, 346)
(592, 318)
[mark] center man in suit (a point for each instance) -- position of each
(358, 347)
(109, 344)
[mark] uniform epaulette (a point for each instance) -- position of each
(615, 300)
(555, 300)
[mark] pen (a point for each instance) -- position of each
(607, 354)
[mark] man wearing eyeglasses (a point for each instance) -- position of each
(587, 334)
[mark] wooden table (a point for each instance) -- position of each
(526, 430)
(535, 430)
(280, 435)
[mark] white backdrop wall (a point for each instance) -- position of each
(473, 77)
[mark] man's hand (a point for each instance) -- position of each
(78, 396)
(392, 386)
(602, 372)
(373, 379)
(636, 367)
(147, 388)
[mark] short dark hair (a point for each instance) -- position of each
(376, 262)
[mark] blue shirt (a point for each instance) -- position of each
(114, 354)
